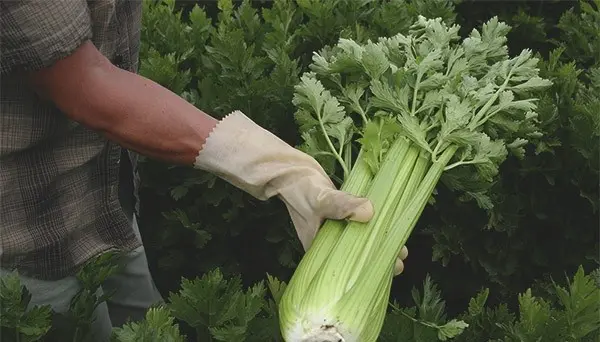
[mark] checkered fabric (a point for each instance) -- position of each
(59, 181)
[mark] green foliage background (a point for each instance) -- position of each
(249, 55)
(544, 222)
(503, 272)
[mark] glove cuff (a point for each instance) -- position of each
(252, 158)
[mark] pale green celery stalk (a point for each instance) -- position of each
(357, 237)
(345, 298)
(374, 283)
(362, 241)
(357, 183)
(310, 312)
(407, 219)
(363, 313)
(416, 177)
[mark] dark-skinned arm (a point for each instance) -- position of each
(129, 109)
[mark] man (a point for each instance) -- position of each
(70, 100)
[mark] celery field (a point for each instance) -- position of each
(472, 126)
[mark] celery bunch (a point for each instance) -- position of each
(422, 105)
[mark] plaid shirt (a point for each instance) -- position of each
(59, 181)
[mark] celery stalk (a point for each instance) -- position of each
(376, 280)
(357, 183)
(428, 105)
(319, 255)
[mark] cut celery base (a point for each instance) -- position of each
(323, 334)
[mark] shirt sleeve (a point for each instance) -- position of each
(36, 33)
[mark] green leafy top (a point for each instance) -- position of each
(427, 86)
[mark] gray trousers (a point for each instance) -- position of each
(134, 292)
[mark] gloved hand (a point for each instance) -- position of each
(259, 163)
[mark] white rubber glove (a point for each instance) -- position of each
(259, 163)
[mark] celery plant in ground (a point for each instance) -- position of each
(423, 105)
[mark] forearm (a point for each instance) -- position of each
(149, 119)
(127, 108)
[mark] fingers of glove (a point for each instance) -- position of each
(399, 265)
(403, 253)
(339, 205)
(330, 204)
